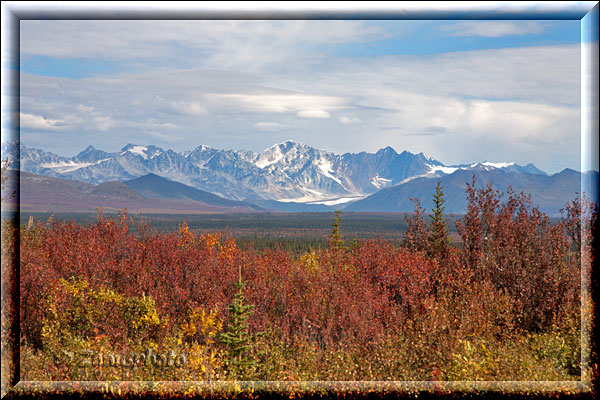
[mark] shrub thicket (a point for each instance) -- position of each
(504, 306)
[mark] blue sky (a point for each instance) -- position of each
(431, 37)
(73, 68)
(459, 91)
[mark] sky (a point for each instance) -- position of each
(459, 91)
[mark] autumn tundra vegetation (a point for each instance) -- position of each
(106, 301)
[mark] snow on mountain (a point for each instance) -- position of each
(440, 168)
(497, 165)
(288, 172)
(145, 152)
(325, 167)
(341, 200)
(139, 150)
(312, 174)
(69, 166)
(270, 156)
(379, 182)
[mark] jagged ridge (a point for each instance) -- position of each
(290, 171)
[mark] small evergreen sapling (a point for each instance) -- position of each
(237, 338)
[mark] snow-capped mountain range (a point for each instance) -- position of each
(286, 172)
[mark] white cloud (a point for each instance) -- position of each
(495, 28)
(270, 126)
(319, 114)
(545, 74)
(147, 125)
(102, 123)
(167, 138)
(82, 108)
(276, 101)
(476, 130)
(350, 120)
(79, 116)
(188, 107)
(221, 44)
(165, 125)
(38, 122)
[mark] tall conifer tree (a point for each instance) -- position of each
(438, 229)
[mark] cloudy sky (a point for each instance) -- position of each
(459, 91)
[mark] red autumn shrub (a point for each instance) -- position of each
(338, 296)
(520, 251)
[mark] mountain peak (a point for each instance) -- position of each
(128, 146)
(88, 150)
(567, 171)
(150, 178)
(290, 141)
(387, 149)
(202, 147)
(288, 144)
(143, 151)
(91, 154)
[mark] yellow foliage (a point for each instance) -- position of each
(201, 323)
(86, 313)
(476, 361)
(186, 237)
(204, 360)
(211, 241)
(146, 312)
(227, 250)
(310, 260)
(73, 287)
(200, 330)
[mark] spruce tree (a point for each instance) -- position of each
(335, 238)
(417, 231)
(237, 338)
(438, 230)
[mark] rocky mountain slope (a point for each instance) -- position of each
(286, 172)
